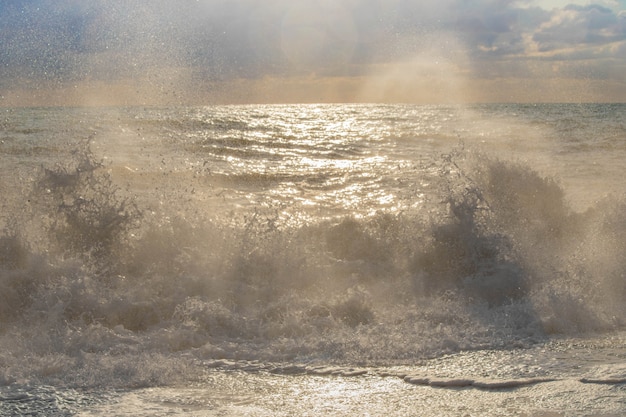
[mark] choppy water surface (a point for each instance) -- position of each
(214, 246)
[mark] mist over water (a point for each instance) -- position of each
(136, 242)
(159, 256)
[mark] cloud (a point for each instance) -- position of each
(175, 48)
(580, 26)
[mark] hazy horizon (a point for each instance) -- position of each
(235, 52)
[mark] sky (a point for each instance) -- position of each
(158, 52)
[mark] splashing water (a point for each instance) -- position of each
(354, 235)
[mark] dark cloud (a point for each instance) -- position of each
(38, 39)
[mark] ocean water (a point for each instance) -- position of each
(313, 260)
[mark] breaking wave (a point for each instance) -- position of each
(97, 289)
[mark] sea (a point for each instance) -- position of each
(313, 259)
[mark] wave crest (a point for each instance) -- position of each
(497, 259)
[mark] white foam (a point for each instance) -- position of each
(264, 394)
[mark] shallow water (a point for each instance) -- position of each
(184, 252)
(565, 377)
